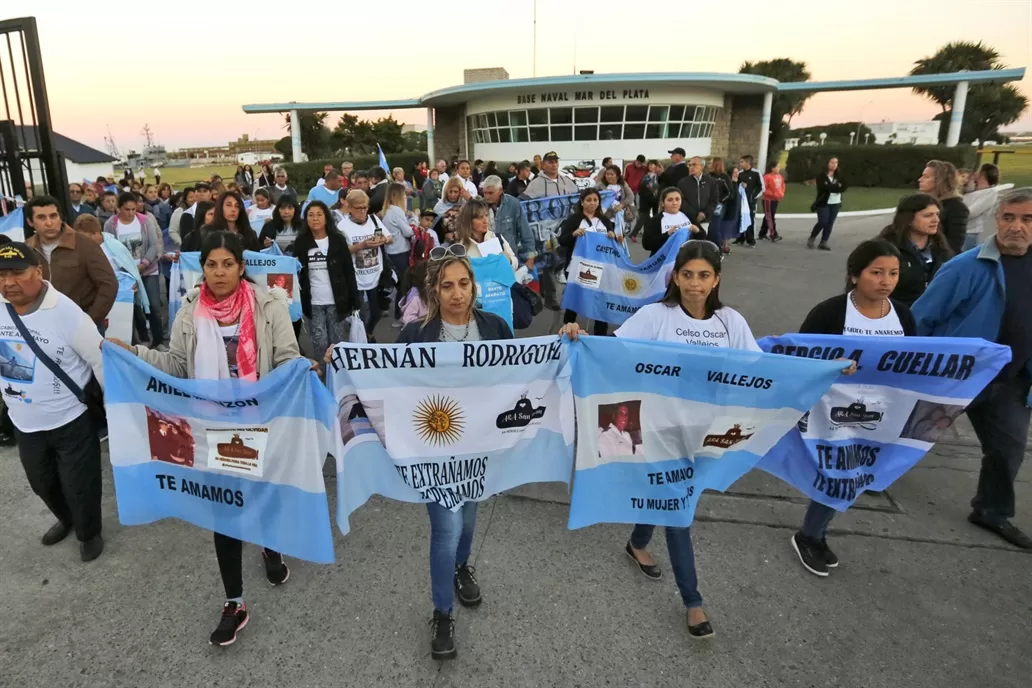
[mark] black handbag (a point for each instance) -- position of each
(525, 305)
(92, 395)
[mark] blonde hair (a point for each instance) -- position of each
(395, 196)
(356, 195)
(434, 272)
(946, 179)
(455, 182)
(396, 170)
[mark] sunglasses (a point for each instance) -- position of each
(441, 252)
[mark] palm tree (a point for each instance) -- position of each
(954, 57)
(784, 104)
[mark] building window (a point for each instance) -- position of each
(593, 123)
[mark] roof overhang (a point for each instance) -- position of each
(985, 76)
(343, 106)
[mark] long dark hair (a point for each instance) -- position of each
(863, 255)
(689, 251)
(898, 233)
(331, 224)
(589, 191)
(200, 211)
(276, 222)
(619, 175)
(243, 225)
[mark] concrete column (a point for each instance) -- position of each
(957, 114)
(295, 136)
(430, 136)
(761, 162)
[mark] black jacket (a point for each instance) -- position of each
(516, 187)
(953, 221)
(698, 196)
(377, 195)
(339, 266)
(653, 238)
(753, 183)
(570, 225)
(672, 175)
(826, 187)
(829, 317)
(915, 273)
(490, 325)
(727, 193)
(269, 232)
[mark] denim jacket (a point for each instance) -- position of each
(511, 223)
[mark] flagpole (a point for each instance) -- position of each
(535, 39)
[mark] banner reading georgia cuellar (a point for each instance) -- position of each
(242, 459)
(659, 422)
(873, 426)
(449, 422)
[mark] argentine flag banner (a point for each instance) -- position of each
(545, 216)
(119, 321)
(450, 423)
(603, 284)
(659, 422)
(267, 269)
(873, 426)
(242, 459)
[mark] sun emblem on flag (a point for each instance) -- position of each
(439, 420)
(631, 285)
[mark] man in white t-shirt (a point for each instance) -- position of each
(615, 440)
(57, 439)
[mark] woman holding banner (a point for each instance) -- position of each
(229, 328)
(451, 317)
(692, 304)
(865, 309)
(586, 217)
(667, 222)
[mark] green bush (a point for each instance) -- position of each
(885, 166)
(304, 175)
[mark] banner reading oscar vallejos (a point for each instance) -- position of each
(659, 422)
(603, 284)
(873, 426)
(265, 269)
(546, 214)
(451, 422)
(242, 459)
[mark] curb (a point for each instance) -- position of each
(848, 213)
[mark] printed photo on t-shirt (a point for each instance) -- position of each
(17, 362)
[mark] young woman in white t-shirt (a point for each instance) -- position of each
(669, 220)
(690, 312)
(864, 310)
(587, 217)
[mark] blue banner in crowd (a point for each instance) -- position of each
(13, 225)
(659, 422)
(603, 284)
(242, 459)
(267, 269)
(873, 426)
(494, 285)
(546, 215)
(449, 423)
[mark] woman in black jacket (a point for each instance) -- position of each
(586, 217)
(830, 186)
(872, 272)
(284, 225)
(940, 179)
(451, 317)
(923, 248)
(724, 225)
(329, 293)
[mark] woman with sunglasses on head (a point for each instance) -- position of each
(692, 304)
(587, 217)
(669, 220)
(864, 309)
(451, 317)
(329, 292)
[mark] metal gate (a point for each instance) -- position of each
(28, 158)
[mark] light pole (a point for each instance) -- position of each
(534, 68)
(824, 135)
(852, 135)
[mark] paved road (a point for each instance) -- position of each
(922, 599)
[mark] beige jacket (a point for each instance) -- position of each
(276, 342)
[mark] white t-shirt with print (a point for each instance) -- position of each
(659, 322)
(231, 340)
(318, 273)
(671, 223)
(859, 324)
(368, 261)
(254, 213)
(131, 236)
(592, 225)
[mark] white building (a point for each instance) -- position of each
(897, 133)
(81, 161)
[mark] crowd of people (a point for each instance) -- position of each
(377, 243)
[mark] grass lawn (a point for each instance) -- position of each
(798, 198)
(1015, 168)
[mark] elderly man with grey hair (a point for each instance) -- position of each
(987, 292)
(509, 220)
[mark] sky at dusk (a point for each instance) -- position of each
(187, 71)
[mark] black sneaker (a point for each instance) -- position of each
(775, 239)
(466, 587)
(1004, 528)
(442, 636)
(59, 531)
(811, 555)
(234, 618)
(824, 247)
(830, 559)
(91, 549)
(810, 242)
(7, 440)
(275, 570)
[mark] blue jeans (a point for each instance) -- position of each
(682, 559)
(825, 222)
(816, 521)
(451, 539)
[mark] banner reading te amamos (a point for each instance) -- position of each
(873, 426)
(603, 284)
(242, 459)
(265, 269)
(451, 422)
(659, 422)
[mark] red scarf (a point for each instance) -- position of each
(237, 308)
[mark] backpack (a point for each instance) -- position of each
(422, 242)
